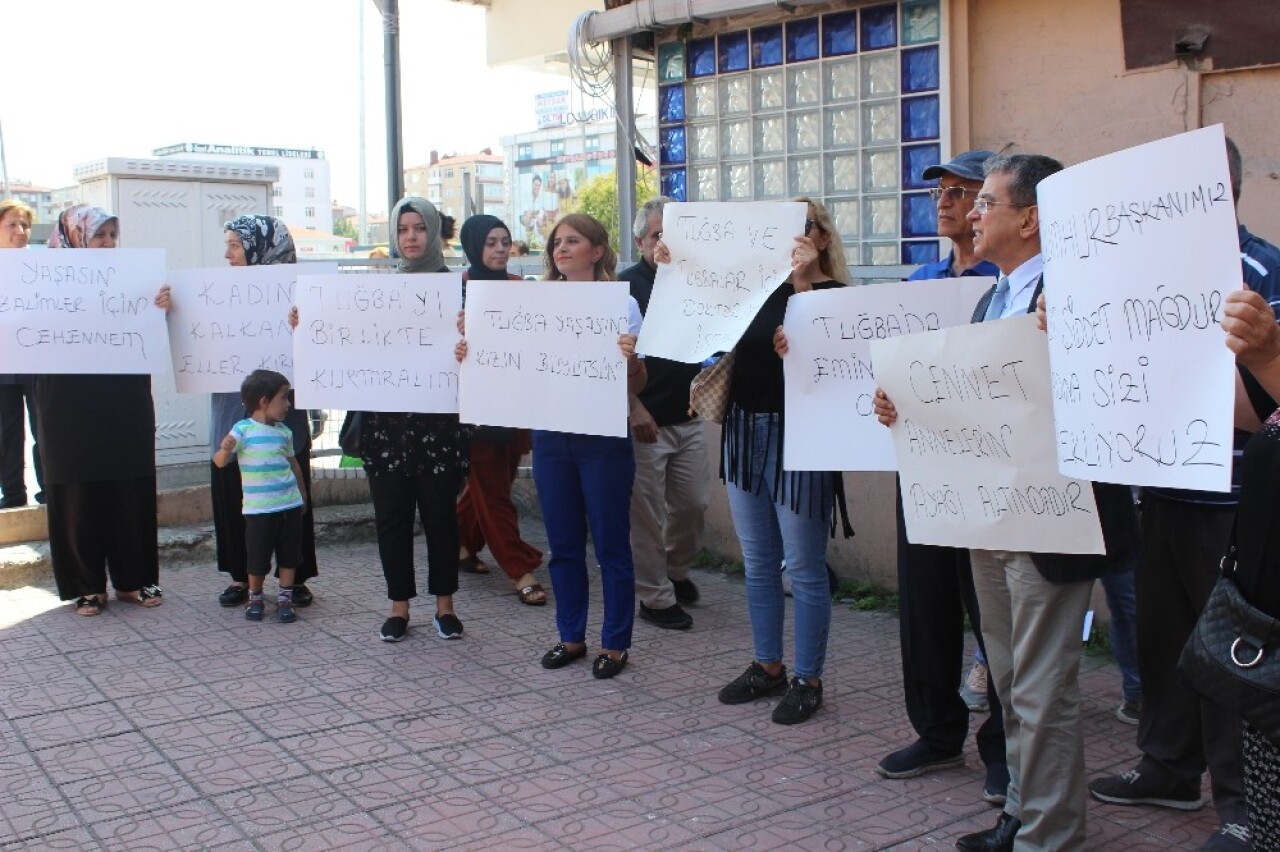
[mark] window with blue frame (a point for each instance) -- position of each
(845, 107)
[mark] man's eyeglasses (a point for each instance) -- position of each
(953, 193)
(982, 205)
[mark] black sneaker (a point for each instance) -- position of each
(233, 595)
(668, 617)
(1134, 788)
(447, 625)
(393, 629)
(754, 683)
(686, 591)
(1230, 837)
(302, 595)
(800, 702)
(916, 759)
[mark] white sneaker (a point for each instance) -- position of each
(974, 689)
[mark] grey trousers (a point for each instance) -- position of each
(668, 502)
(1032, 632)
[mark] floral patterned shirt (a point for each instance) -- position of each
(409, 444)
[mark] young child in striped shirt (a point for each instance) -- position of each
(273, 499)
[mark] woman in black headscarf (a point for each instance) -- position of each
(416, 462)
(486, 514)
(97, 443)
(255, 241)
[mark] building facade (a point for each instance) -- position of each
(38, 198)
(301, 197)
(545, 168)
(461, 185)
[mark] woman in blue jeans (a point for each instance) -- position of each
(780, 514)
(584, 481)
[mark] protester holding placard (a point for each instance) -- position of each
(1184, 532)
(16, 391)
(780, 514)
(255, 241)
(416, 463)
(1253, 336)
(97, 443)
(486, 514)
(935, 584)
(1033, 604)
(584, 481)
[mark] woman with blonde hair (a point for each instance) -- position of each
(16, 391)
(780, 514)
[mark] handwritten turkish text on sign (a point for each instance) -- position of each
(373, 342)
(226, 322)
(974, 440)
(1140, 247)
(828, 368)
(82, 311)
(726, 259)
(544, 355)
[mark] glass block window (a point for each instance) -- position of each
(845, 107)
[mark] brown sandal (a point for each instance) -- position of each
(527, 593)
(89, 605)
(147, 596)
(472, 565)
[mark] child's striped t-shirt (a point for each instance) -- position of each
(265, 473)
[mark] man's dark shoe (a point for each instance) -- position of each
(394, 629)
(1136, 788)
(686, 591)
(302, 595)
(916, 759)
(667, 617)
(233, 595)
(996, 786)
(754, 683)
(998, 839)
(801, 701)
(1230, 837)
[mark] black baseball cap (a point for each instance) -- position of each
(967, 165)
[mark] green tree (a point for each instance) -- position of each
(343, 228)
(599, 198)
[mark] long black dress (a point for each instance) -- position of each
(96, 436)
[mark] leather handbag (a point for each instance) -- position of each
(709, 390)
(1233, 655)
(349, 435)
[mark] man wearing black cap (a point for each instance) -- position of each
(935, 584)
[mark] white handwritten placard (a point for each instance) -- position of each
(974, 440)
(726, 259)
(225, 322)
(373, 342)
(829, 375)
(1140, 247)
(544, 355)
(82, 311)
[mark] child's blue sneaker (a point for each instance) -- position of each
(285, 613)
(254, 610)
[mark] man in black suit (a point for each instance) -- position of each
(1033, 604)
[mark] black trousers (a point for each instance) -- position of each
(935, 589)
(228, 522)
(101, 529)
(13, 438)
(434, 498)
(1181, 734)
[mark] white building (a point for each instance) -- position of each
(546, 167)
(301, 196)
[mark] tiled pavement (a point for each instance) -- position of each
(188, 727)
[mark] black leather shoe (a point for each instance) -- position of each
(233, 595)
(562, 655)
(686, 591)
(302, 595)
(998, 839)
(606, 667)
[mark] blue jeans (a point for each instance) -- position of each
(769, 530)
(1123, 603)
(585, 480)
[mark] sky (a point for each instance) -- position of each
(87, 79)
